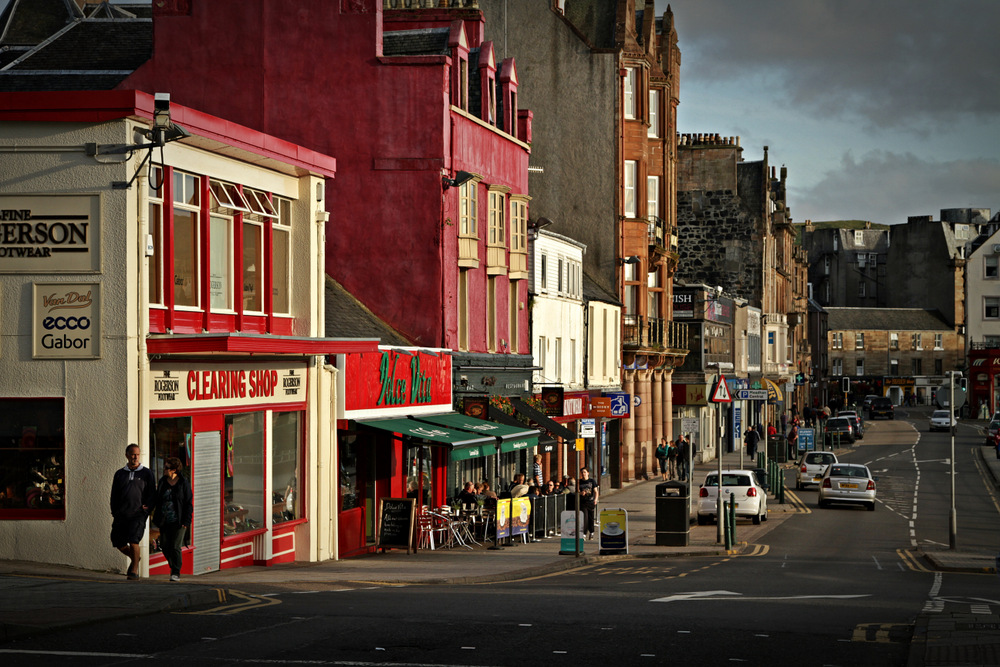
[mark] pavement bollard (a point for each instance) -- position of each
(781, 487)
(732, 520)
(724, 518)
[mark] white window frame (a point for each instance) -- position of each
(468, 209)
(630, 175)
(652, 197)
(991, 304)
(181, 203)
(991, 267)
(629, 92)
(859, 367)
(654, 113)
(836, 366)
(938, 341)
(226, 275)
(259, 266)
(518, 226)
(156, 230)
(282, 225)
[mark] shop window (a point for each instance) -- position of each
(32, 455)
(243, 473)
(418, 474)
(286, 447)
(253, 267)
(168, 437)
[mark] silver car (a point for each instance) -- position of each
(940, 421)
(811, 467)
(848, 483)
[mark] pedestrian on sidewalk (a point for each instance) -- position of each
(133, 495)
(661, 458)
(751, 439)
(589, 491)
(683, 453)
(537, 470)
(672, 460)
(793, 440)
(173, 513)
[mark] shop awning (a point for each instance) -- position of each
(511, 438)
(462, 444)
(550, 425)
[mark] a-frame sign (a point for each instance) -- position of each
(720, 392)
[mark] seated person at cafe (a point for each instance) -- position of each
(488, 491)
(518, 488)
(467, 496)
(550, 488)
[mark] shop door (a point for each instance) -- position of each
(207, 522)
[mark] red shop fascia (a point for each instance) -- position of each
(984, 367)
(394, 382)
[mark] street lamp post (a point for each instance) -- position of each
(952, 515)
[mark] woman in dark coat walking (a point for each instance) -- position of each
(173, 513)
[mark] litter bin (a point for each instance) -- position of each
(777, 448)
(673, 519)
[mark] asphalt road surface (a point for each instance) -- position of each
(836, 586)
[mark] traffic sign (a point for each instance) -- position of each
(751, 394)
(720, 393)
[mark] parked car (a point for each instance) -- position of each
(848, 483)
(811, 467)
(749, 496)
(882, 407)
(839, 428)
(941, 421)
(992, 433)
(867, 403)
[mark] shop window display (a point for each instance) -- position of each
(243, 473)
(285, 481)
(32, 455)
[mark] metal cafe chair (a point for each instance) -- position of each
(428, 531)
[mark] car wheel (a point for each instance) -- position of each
(764, 517)
(702, 520)
(756, 519)
(821, 503)
(798, 486)
(871, 507)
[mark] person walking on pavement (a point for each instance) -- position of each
(683, 452)
(589, 491)
(173, 513)
(661, 458)
(751, 439)
(672, 460)
(133, 494)
(793, 440)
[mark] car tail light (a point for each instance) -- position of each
(751, 492)
(871, 485)
(703, 493)
(826, 483)
(803, 468)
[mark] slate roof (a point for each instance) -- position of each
(31, 22)
(346, 317)
(594, 292)
(92, 54)
(425, 42)
(892, 319)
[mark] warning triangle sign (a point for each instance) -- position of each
(720, 393)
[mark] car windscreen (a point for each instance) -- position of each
(728, 480)
(847, 471)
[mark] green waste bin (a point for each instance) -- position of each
(673, 518)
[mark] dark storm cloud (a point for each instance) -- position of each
(914, 63)
(885, 187)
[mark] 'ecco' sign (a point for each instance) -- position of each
(67, 321)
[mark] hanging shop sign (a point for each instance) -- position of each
(177, 386)
(66, 320)
(50, 234)
(412, 380)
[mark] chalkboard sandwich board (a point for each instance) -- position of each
(395, 523)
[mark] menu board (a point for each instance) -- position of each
(395, 524)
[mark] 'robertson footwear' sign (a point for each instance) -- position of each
(49, 233)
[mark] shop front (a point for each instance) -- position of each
(239, 431)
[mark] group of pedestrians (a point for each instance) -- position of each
(135, 495)
(672, 458)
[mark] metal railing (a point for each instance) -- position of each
(655, 332)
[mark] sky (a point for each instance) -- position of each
(880, 109)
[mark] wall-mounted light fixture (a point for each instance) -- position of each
(631, 259)
(461, 177)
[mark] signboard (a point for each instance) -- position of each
(807, 439)
(588, 428)
(613, 532)
(395, 523)
(66, 321)
(520, 515)
(185, 386)
(503, 518)
(552, 398)
(50, 234)
(689, 425)
(405, 378)
(620, 402)
(751, 394)
(567, 528)
(720, 393)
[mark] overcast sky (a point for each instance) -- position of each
(880, 109)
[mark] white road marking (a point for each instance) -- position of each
(699, 597)
(877, 564)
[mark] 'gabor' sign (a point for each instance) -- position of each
(66, 321)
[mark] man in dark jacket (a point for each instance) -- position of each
(133, 494)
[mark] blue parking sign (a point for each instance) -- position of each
(807, 439)
(619, 403)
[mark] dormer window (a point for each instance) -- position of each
(488, 83)
(508, 90)
(459, 45)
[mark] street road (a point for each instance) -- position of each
(837, 586)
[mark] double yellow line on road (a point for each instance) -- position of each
(249, 601)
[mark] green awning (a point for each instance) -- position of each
(512, 438)
(462, 444)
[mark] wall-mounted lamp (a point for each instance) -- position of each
(461, 177)
(632, 259)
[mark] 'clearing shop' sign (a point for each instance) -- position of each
(176, 386)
